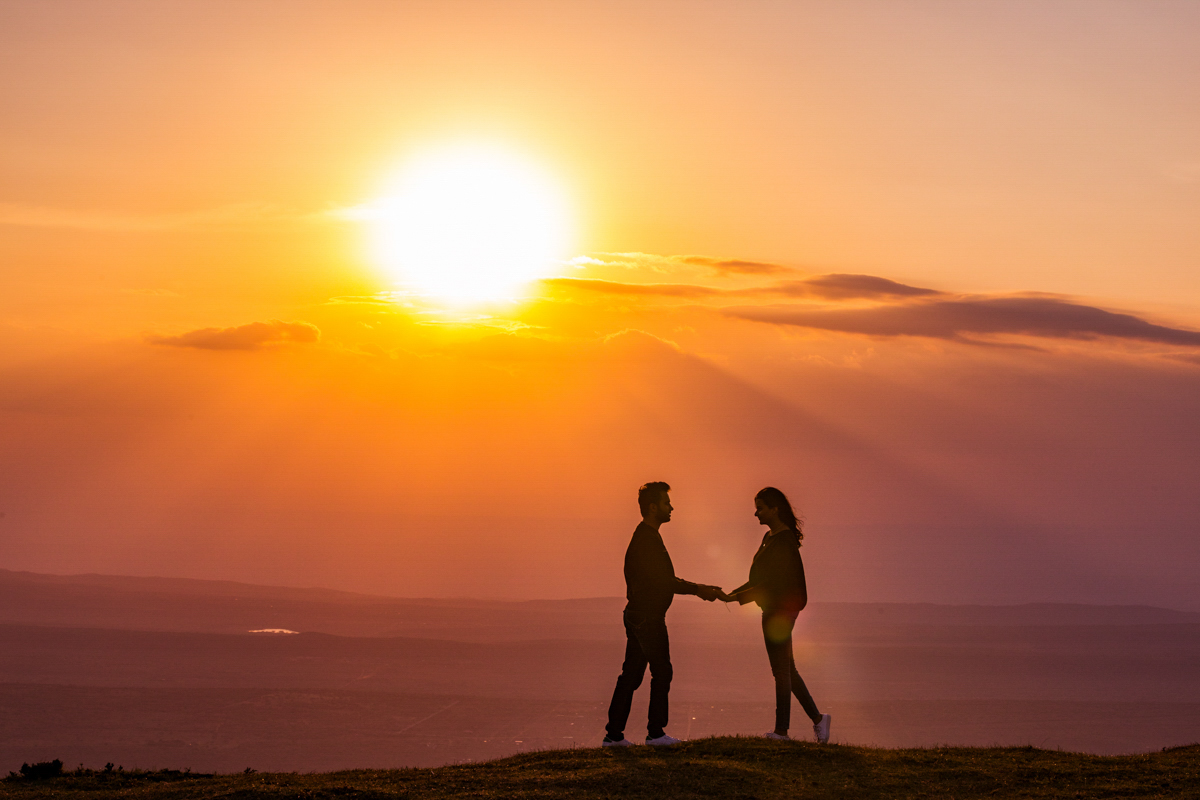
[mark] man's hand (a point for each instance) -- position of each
(725, 598)
(709, 593)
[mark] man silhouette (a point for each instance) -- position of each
(650, 586)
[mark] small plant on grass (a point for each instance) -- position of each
(40, 770)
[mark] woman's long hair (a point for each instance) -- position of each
(773, 498)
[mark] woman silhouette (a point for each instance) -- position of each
(777, 585)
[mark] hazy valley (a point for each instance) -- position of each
(164, 673)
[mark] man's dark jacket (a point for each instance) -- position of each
(650, 582)
(776, 576)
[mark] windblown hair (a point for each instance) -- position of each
(773, 498)
(651, 493)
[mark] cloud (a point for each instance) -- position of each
(639, 343)
(825, 287)
(831, 286)
(904, 310)
(735, 265)
(628, 260)
(244, 337)
(1187, 358)
(387, 299)
(636, 289)
(723, 266)
(1043, 316)
(841, 286)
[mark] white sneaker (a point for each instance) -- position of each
(662, 741)
(779, 736)
(622, 743)
(821, 729)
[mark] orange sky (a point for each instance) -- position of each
(931, 268)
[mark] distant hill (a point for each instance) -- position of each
(200, 606)
(177, 604)
(860, 614)
(720, 768)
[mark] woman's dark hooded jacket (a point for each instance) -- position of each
(776, 576)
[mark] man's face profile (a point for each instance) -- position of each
(663, 508)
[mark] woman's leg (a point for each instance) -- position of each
(777, 634)
(801, 692)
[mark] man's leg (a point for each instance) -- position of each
(652, 635)
(632, 672)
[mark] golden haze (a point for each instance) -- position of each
(929, 268)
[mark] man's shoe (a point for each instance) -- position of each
(662, 741)
(622, 742)
(821, 729)
(783, 737)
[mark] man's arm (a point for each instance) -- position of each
(702, 590)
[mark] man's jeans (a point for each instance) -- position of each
(646, 644)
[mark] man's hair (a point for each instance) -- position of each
(650, 494)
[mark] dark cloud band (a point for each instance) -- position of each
(958, 318)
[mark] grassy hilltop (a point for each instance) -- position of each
(725, 768)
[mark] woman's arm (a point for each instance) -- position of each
(791, 579)
(803, 595)
(746, 593)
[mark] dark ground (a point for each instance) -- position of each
(733, 769)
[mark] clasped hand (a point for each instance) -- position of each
(710, 593)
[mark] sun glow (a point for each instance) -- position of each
(466, 225)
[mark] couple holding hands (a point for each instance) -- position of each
(776, 584)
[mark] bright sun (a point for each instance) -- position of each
(469, 224)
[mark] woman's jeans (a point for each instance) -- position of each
(777, 633)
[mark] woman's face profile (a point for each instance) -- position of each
(766, 515)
